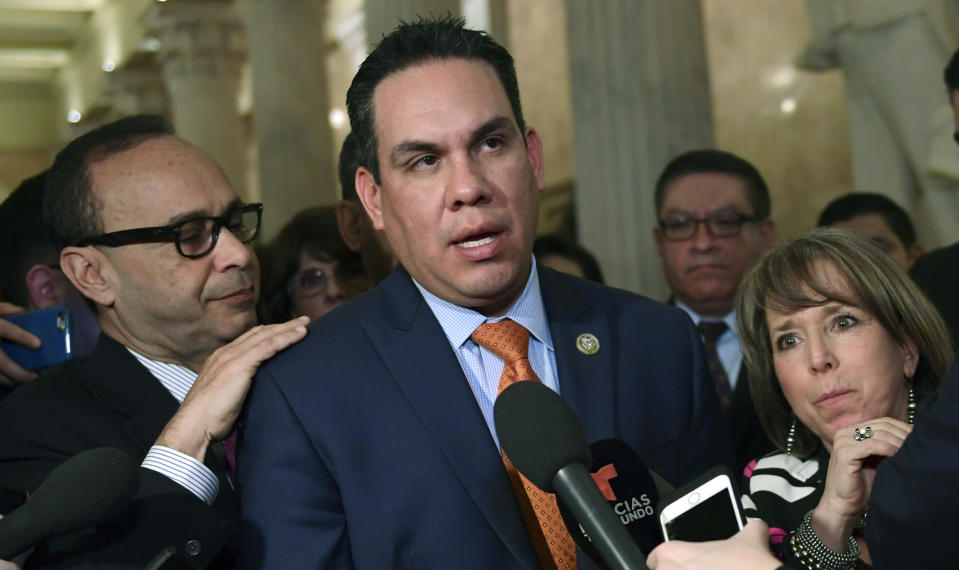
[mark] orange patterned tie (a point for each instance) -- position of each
(554, 546)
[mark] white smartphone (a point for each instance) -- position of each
(706, 509)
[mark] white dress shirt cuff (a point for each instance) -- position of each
(185, 470)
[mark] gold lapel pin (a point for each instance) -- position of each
(587, 343)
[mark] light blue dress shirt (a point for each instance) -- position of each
(483, 368)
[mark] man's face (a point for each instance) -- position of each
(874, 228)
(171, 306)
(704, 271)
(459, 191)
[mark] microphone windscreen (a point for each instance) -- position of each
(631, 489)
(83, 491)
(539, 432)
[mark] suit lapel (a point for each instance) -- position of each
(402, 329)
(586, 380)
(123, 385)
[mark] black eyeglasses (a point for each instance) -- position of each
(193, 238)
(722, 224)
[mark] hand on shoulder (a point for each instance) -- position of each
(213, 403)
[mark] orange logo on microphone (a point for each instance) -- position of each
(602, 477)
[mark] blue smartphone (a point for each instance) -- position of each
(53, 326)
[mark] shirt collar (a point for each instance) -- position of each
(175, 378)
(458, 322)
(729, 319)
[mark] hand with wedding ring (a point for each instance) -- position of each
(856, 452)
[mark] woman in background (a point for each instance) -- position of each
(307, 269)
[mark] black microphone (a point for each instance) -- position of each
(632, 491)
(545, 441)
(83, 491)
(170, 559)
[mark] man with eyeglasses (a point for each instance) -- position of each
(913, 502)
(151, 233)
(714, 222)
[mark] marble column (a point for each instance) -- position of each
(124, 92)
(134, 92)
(384, 15)
(640, 90)
(287, 47)
(202, 50)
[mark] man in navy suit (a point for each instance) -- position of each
(713, 209)
(371, 444)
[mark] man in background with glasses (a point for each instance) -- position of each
(714, 222)
(151, 233)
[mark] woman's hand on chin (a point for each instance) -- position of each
(852, 468)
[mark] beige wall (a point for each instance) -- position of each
(15, 166)
(29, 135)
(803, 154)
(537, 40)
(751, 44)
(28, 116)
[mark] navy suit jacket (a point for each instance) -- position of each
(912, 509)
(363, 445)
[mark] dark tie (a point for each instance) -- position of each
(711, 331)
(554, 546)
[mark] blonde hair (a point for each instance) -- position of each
(786, 279)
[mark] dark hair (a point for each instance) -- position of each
(716, 161)
(70, 207)
(855, 204)
(315, 231)
(788, 278)
(951, 74)
(348, 163)
(413, 43)
(25, 239)
(561, 246)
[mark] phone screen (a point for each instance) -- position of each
(713, 518)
